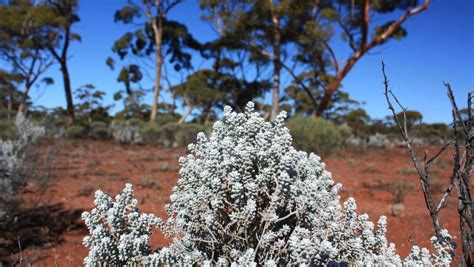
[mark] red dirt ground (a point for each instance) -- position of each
(370, 176)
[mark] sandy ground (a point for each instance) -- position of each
(376, 178)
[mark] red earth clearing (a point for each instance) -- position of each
(51, 230)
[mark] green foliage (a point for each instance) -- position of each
(413, 118)
(306, 32)
(8, 130)
(176, 44)
(89, 106)
(187, 133)
(97, 124)
(168, 135)
(98, 130)
(133, 106)
(10, 96)
(76, 132)
(317, 135)
(151, 132)
(100, 133)
(179, 135)
(162, 119)
(22, 29)
(358, 120)
(433, 133)
(135, 122)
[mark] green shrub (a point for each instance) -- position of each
(98, 130)
(135, 122)
(151, 132)
(168, 134)
(99, 133)
(317, 135)
(76, 131)
(8, 130)
(5, 114)
(163, 119)
(345, 131)
(187, 133)
(97, 124)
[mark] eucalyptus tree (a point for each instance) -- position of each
(63, 14)
(297, 38)
(364, 25)
(21, 47)
(155, 35)
(10, 96)
(262, 28)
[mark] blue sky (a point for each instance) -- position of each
(439, 47)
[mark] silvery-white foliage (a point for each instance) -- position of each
(119, 233)
(378, 140)
(12, 153)
(246, 197)
(27, 132)
(124, 133)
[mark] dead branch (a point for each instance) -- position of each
(460, 177)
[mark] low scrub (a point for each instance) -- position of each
(317, 135)
(126, 132)
(152, 132)
(8, 130)
(12, 156)
(98, 130)
(76, 132)
(171, 134)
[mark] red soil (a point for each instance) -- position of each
(83, 166)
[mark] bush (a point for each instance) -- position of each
(76, 131)
(97, 124)
(99, 133)
(162, 119)
(126, 132)
(179, 135)
(246, 197)
(187, 133)
(7, 130)
(171, 134)
(98, 130)
(168, 134)
(317, 135)
(123, 242)
(378, 140)
(151, 132)
(12, 155)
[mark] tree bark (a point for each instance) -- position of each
(67, 12)
(22, 107)
(276, 61)
(157, 25)
(186, 114)
(70, 116)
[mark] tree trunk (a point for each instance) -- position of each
(334, 84)
(186, 114)
(70, 116)
(276, 62)
(22, 107)
(158, 30)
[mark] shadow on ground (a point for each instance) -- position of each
(35, 228)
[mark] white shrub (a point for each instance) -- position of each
(12, 154)
(246, 197)
(125, 133)
(119, 233)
